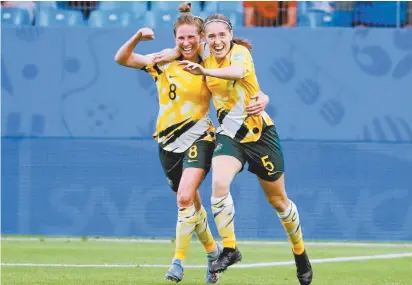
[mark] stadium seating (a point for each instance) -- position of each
(302, 21)
(232, 10)
(384, 14)
(115, 18)
(164, 5)
(226, 6)
(160, 14)
(59, 18)
(44, 5)
(163, 14)
(15, 17)
(235, 18)
(115, 5)
(210, 7)
(342, 18)
(163, 18)
(138, 9)
(319, 18)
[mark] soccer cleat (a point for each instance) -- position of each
(212, 278)
(175, 272)
(304, 269)
(228, 257)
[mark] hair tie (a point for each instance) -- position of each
(218, 20)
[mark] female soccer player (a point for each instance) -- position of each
(184, 132)
(230, 76)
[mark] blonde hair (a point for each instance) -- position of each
(220, 18)
(186, 18)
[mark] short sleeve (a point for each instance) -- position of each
(153, 69)
(242, 57)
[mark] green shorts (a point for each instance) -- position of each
(199, 155)
(265, 156)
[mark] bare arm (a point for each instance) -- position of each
(249, 13)
(233, 72)
(291, 17)
(125, 55)
(170, 54)
(166, 55)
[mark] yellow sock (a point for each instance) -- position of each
(224, 213)
(291, 223)
(203, 232)
(186, 223)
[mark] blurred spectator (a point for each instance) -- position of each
(85, 6)
(409, 14)
(27, 5)
(380, 13)
(344, 6)
(325, 6)
(270, 13)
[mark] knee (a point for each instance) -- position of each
(278, 202)
(184, 198)
(221, 187)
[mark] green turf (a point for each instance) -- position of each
(371, 272)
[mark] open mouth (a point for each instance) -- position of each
(219, 48)
(188, 49)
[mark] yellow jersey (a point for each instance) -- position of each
(184, 100)
(232, 96)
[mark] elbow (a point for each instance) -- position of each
(120, 59)
(238, 77)
(239, 74)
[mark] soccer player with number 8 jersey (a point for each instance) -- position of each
(184, 132)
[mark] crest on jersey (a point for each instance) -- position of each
(239, 57)
(218, 147)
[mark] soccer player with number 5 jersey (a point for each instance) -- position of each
(230, 76)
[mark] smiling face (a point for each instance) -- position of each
(188, 41)
(218, 37)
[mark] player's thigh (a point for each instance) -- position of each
(228, 160)
(199, 156)
(172, 164)
(196, 165)
(265, 157)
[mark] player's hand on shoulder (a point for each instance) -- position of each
(166, 55)
(146, 34)
(192, 67)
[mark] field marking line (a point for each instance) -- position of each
(254, 265)
(165, 241)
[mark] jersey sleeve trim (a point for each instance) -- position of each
(155, 67)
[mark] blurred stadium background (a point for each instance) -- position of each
(76, 148)
(159, 14)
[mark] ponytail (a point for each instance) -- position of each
(242, 42)
(186, 18)
(185, 8)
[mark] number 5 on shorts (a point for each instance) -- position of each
(268, 165)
